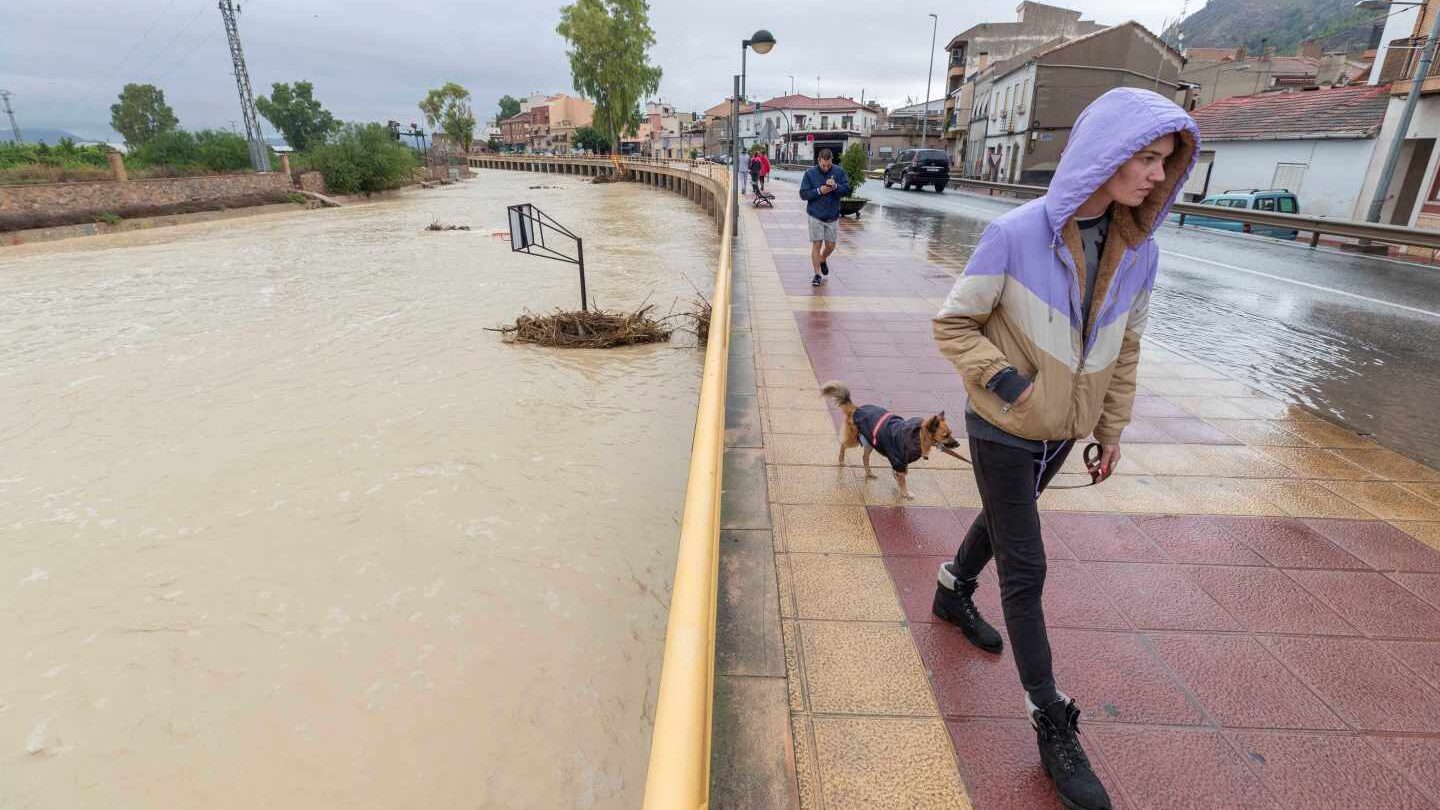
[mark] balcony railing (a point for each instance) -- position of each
(1402, 57)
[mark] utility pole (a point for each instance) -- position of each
(259, 152)
(14, 128)
(929, 72)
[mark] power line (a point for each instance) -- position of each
(178, 62)
(172, 41)
(133, 48)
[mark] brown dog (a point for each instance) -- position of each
(901, 441)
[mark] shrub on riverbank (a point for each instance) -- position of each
(362, 159)
(180, 152)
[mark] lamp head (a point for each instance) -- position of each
(761, 41)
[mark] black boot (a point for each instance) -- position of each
(954, 605)
(1056, 732)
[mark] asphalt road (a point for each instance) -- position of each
(1354, 338)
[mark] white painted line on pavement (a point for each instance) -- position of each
(1307, 284)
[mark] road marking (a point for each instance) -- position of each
(1307, 284)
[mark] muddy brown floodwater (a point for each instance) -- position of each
(281, 526)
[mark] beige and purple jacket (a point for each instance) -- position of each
(1018, 303)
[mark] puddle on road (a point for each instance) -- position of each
(282, 526)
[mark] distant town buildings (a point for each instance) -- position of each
(546, 123)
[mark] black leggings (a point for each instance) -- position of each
(1008, 529)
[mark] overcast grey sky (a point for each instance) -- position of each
(66, 60)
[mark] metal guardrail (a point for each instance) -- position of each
(679, 774)
(1315, 226)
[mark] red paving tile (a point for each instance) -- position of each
(1241, 684)
(1425, 586)
(1160, 597)
(914, 581)
(1179, 769)
(1289, 543)
(1264, 600)
(1422, 657)
(1001, 765)
(1196, 540)
(1380, 545)
(1101, 537)
(912, 530)
(1326, 772)
(1114, 677)
(1416, 757)
(1361, 682)
(1372, 604)
(968, 681)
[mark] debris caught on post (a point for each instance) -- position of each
(594, 329)
(437, 225)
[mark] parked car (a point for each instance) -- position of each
(919, 168)
(1279, 200)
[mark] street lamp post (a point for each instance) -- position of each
(929, 72)
(762, 41)
(1397, 140)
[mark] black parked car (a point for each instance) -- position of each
(919, 167)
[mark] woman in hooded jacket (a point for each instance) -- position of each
(1045, 326)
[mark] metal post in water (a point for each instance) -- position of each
(580, 259)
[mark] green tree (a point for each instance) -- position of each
(299, 117)
(609, 59)
(362, 159)
(141, 114)
(509, 108)
(854, 161)
(590, 138)
(449, 109)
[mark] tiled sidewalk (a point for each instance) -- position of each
(1248, 615)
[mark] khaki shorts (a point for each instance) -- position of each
(821, 231)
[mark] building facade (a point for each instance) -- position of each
(796, 127)
(904, 127)
(977, 48)
(1316, 143)
(1032, 100)
(546, 123)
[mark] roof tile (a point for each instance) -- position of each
(1336, 112)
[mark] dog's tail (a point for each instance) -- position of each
(839, 393)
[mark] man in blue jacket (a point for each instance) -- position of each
(822, 187)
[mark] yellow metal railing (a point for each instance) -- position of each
(679, 774)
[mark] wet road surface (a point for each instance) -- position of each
(281, 524)
(1354, 338)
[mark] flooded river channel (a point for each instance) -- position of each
(282, 526)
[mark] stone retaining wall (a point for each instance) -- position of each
(52, 204)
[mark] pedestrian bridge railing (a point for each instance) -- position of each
(1314, 226)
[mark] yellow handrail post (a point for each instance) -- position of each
(679, 773)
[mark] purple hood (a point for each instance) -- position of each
(1113, 128)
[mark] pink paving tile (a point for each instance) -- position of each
(1114, 677)
(1001, 766)
(1194, 431)
(946, 382)
(1146, 431)
(884, 363)
(1416, 757)
(1372, 604)
(1150, 405)
(1422, 657)
(1160, 597)
(889, 382)
(1425, 586)
(1326, 772)
(1101, 537)
(1241, 684)
(1264, 600)
(1179, 769)
(912, 530)
(1380, 545)
(1072, 599)
(1361, 682)
(1289, 543)
(1198, 540)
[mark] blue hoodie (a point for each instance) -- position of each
(824, 207)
